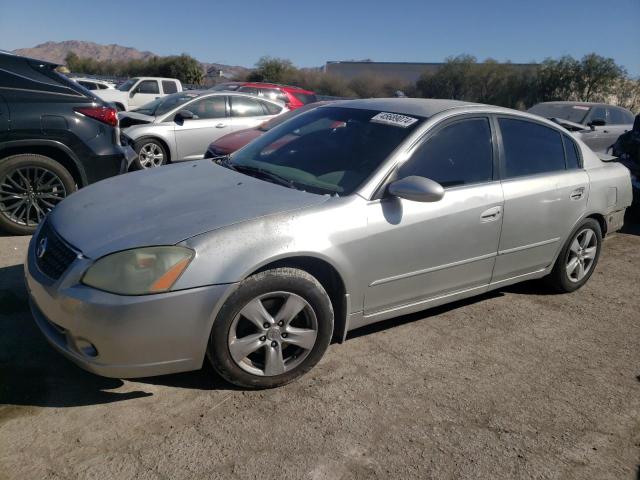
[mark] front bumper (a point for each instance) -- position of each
(122, 336)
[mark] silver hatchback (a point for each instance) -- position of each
(345, 215)
(182, 125)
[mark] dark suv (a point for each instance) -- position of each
(55, 136)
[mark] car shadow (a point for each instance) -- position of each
(531, 287)
(631, 222)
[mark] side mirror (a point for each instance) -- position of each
(597, 122)
(417, 189)
(183, 115)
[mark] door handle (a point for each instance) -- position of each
(220, 125)
(577, 193)
(491, 214)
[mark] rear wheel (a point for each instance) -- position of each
(578, 258)
(30, 186)
(274, 328)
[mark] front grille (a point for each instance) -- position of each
(53, 255)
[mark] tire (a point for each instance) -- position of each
(583, 254)
(271, 361)
(30, 186)
(146, 148)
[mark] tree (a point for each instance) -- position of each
(596, 77)
(271, 69)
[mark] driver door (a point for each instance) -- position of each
(210, 121)
(427, 253)
(146, 91)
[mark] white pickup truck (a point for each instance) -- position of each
(137, 91)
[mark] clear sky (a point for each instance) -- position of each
(238, 32)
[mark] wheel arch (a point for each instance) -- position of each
(48, 148)
(329, 278)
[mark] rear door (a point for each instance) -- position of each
(247, 112)
(210, 121)
(545, 193)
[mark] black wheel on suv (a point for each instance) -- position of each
(30, 186)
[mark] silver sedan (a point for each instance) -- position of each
(182, 125)
(346, 215)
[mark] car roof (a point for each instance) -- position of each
(215, 93)
(579, 104)
(423, 107)
(275, 85)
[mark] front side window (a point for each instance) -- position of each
(169, 87)
(162, 105)
(328, 150)
(598, 113)
(246, 107)
(126, 86)
(209, 107)
(618, 116)
(530, 148)
(458, 154)
(148, 86)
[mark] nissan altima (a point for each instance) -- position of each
(349, 214)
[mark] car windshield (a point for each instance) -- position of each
(126, 86)
(162, 105)
(572, 113)
(328, 150)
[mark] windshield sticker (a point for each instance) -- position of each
(580, 107)
(394, 119)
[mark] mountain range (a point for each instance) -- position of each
(57, 51)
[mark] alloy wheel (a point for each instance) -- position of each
(27, 194)
(582, 254)
(151, 155)
(273, 334)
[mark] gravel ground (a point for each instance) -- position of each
(519, 383)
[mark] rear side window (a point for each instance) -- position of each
(571, 151)
(458, 154)
(305, 98)
(251, 90)
(530, 148)
(209, 107)
(271, 108)
(169, 87)
(246, 107)
(89, 85)
(619, 117)
(148, 86)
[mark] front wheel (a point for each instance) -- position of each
(273, 329)
(151, 153)
(578, 258)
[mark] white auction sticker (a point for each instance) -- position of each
(394, 119)
(580, 107)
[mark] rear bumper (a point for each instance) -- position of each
(122, 336)
(99, 167)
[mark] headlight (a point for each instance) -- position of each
(139, 271)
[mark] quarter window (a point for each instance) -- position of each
(619, 117)
(458, 154)
(530, 148)
(210, 107)
(571, 151)
(271, 108)
(246, 107)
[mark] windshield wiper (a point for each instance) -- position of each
(265, 174)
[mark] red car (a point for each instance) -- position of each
(293, 97)
(236, 140)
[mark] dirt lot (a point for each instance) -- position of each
(520, 383)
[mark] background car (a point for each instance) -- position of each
(60, 137)
(180, 126)
(94, 84)
(293, 97)
(138, 91)
(346, 215)
(233, 141)
(597, 124)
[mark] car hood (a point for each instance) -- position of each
(233, 141)
(128, 119)
(111, 94)
(164, 206)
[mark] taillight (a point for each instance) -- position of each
(106, 115)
